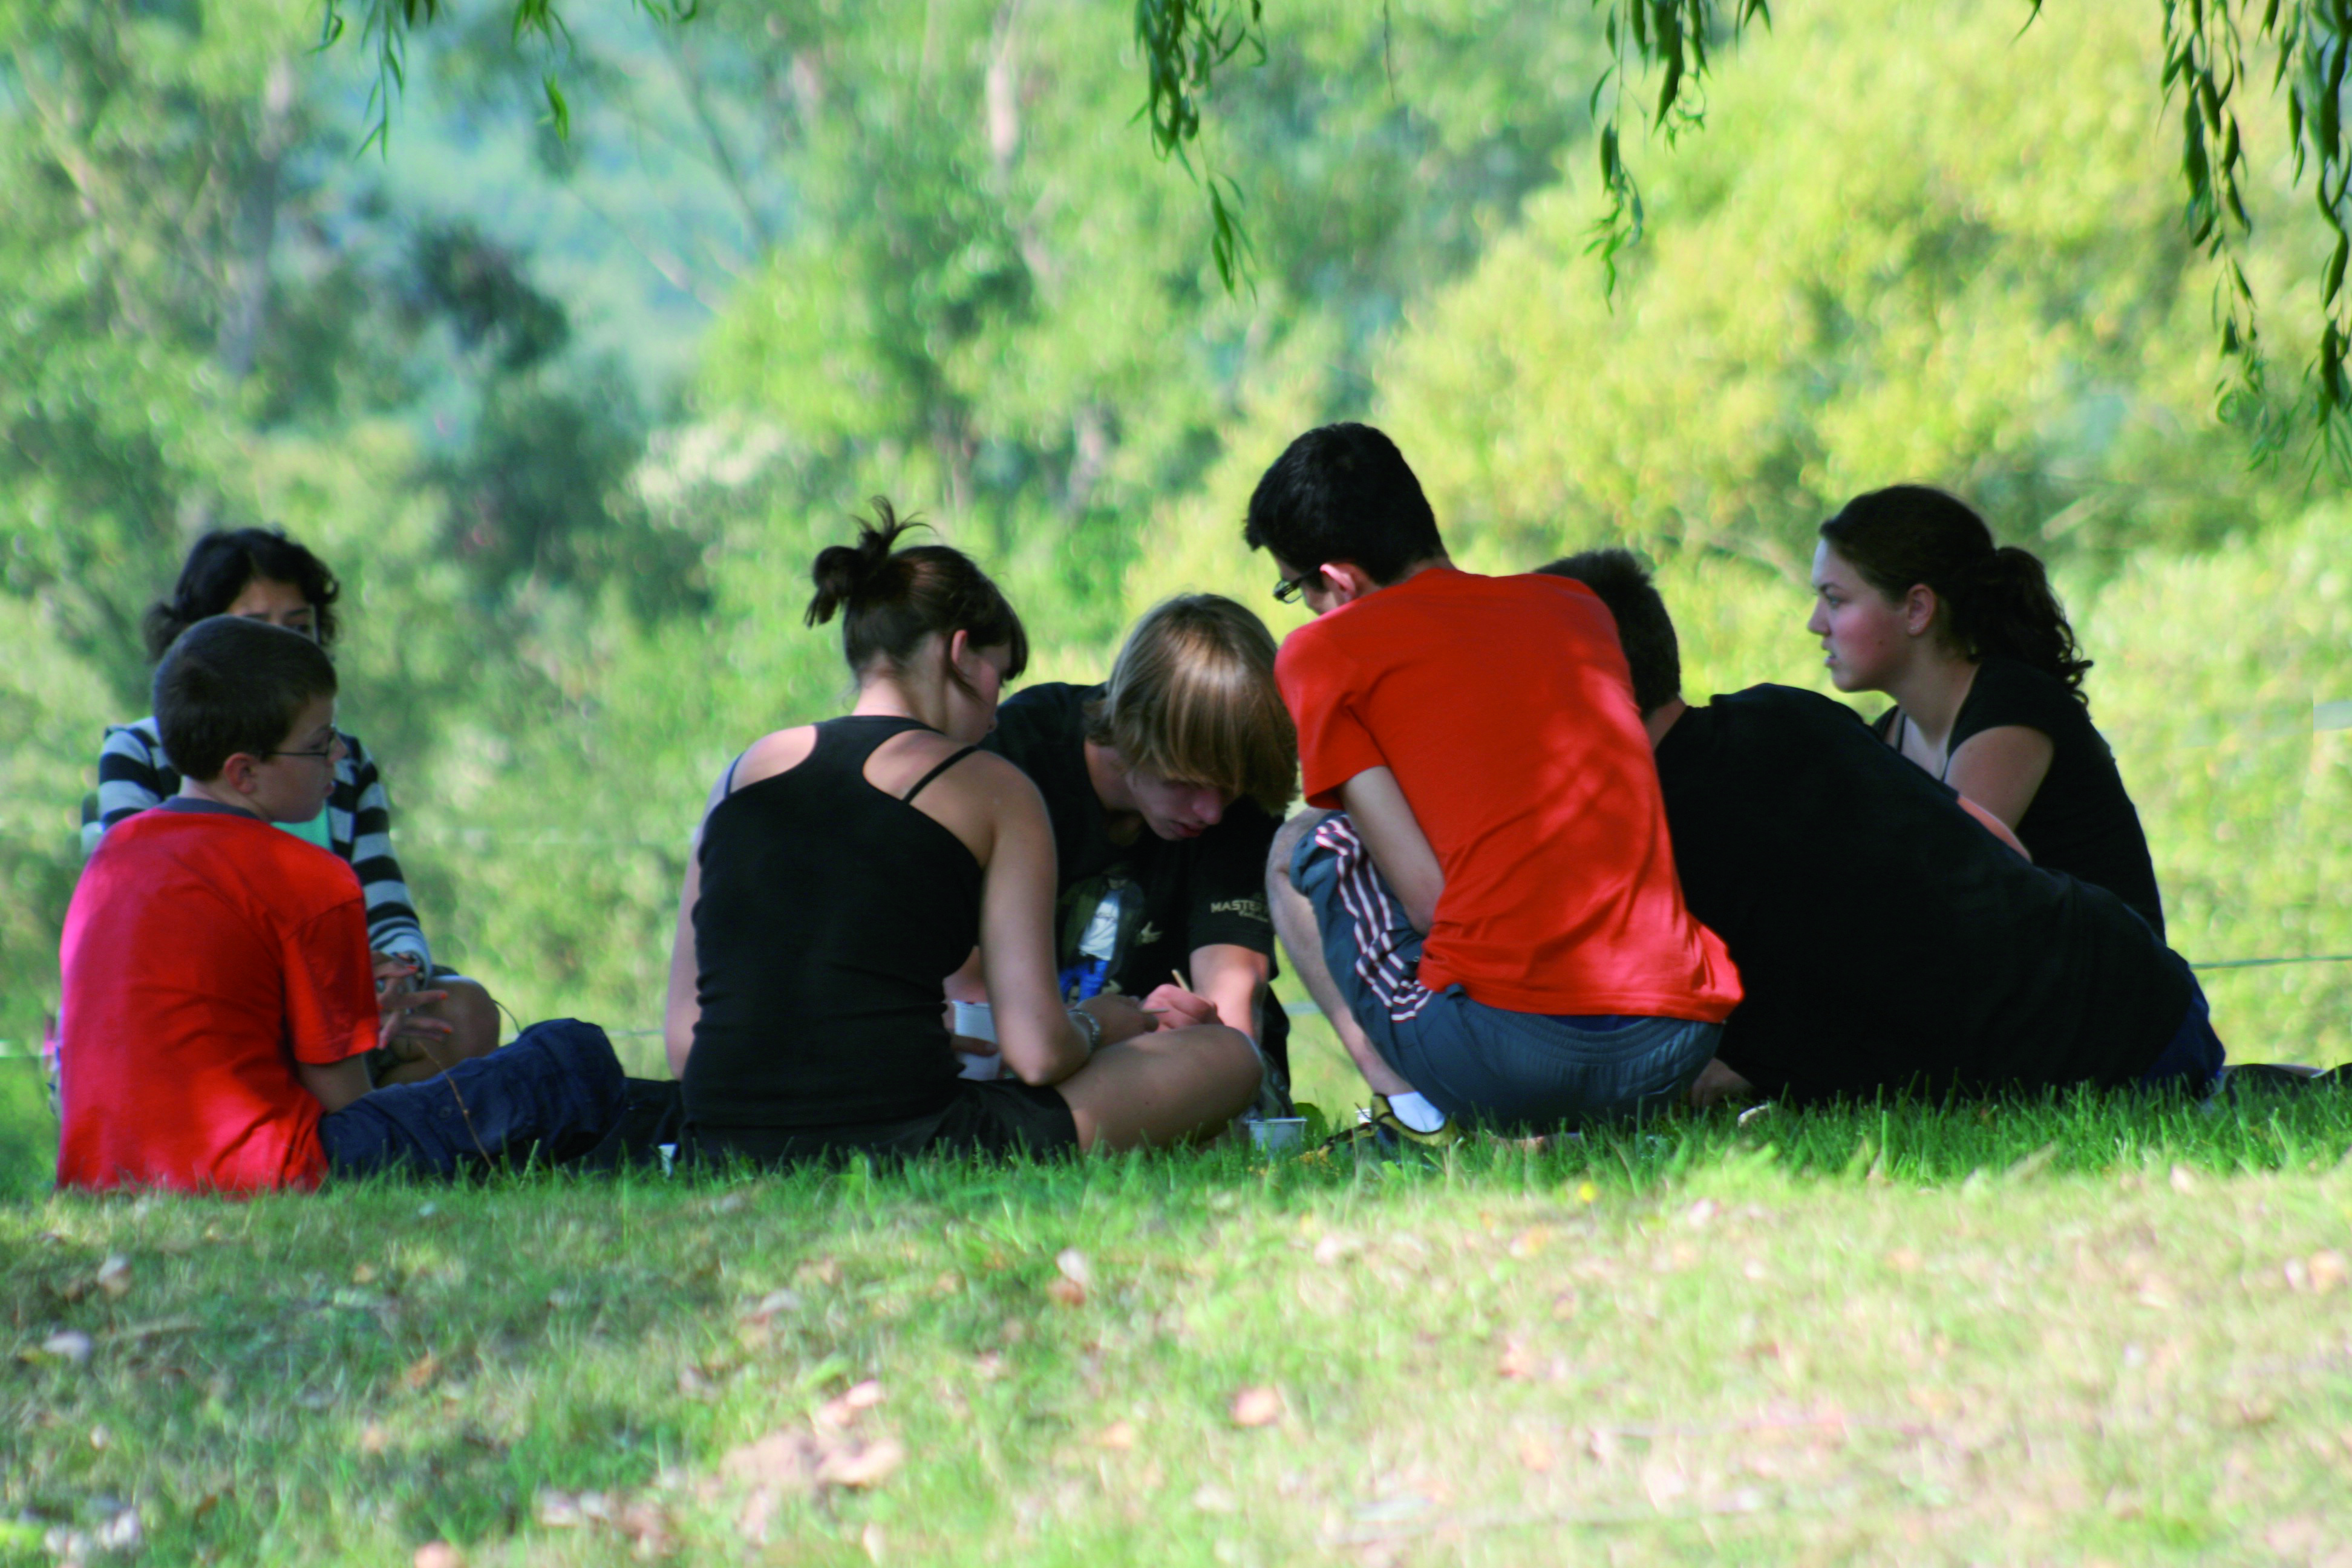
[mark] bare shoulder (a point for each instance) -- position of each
(780, 750)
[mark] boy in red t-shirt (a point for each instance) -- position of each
(1501, 934)
(219, 996)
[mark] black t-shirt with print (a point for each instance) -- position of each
(1172, 897)
(2081, 821)
(1885, 939)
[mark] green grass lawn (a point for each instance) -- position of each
(2098, 1331)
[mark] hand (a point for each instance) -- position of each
(1179, 1009)
(1120, 1018)
(394, 972)
(1716, 1084)
(406, 1036)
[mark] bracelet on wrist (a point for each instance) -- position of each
(1090, 1026)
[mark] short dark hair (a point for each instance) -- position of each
(231, 685)
(218, 567)
(891, 599)
(1644, 630)
(1343, 492)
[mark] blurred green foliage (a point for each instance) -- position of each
(939, 266)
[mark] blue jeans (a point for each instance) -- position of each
(1483, 1065)
(558, 1088)
(2191, 1060)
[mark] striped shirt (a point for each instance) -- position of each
(133, 773)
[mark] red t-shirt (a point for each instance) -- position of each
(1504, 708)
(205, 953)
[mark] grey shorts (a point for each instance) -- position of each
(1486, 1065)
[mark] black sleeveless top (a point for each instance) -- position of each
(831, 913)
(2081, 821)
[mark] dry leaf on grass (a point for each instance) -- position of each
(771, 1305)
(71, 1345)
(1067, 1290)
(1072, 1264)
(373, 1438)
(783, 1459)
(840, 1412)
(114, 1276)
(866, 1465)
(438, 1554)
(421, 1371)
(1119, 1434)
(1256, 1406)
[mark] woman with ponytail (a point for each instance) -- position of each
(1913, 598)
(843, 869)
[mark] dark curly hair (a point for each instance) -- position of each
(1997, 598)
(218, 567)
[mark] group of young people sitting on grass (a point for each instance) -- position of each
(1532, 886)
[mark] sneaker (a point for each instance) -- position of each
(1379, 1134)
(2275, 1077)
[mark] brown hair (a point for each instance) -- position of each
(1192, 698)
(229, 685)
(1997, 601)
(892, 599)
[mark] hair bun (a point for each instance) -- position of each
(848, 575)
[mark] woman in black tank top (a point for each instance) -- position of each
(1913, 598)
(845, 869)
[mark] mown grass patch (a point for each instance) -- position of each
(2090, 1328)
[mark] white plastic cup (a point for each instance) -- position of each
(1278, 1134)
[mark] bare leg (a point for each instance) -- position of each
(1294, 922)
(473, 1019)
(1161, 1088)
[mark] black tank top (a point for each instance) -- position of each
(831, 913)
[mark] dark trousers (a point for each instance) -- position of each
(558, 1088)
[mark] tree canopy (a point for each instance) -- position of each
(1657, 58)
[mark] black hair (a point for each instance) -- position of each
(229, 685)
(1645, 631)
(892, 599)
(218, 567)
(1343, 492)
(1997, 599)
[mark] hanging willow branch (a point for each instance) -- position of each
(2205, 72)
(1185, 42)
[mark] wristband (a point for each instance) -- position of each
(1091, 1024)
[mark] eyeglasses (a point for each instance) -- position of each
(326, 753)
(1287, 591)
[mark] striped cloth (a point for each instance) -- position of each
(1388, 950)
(133, 773)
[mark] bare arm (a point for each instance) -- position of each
(1234, 979)
(335, 1085)
(682, 1009)
(2001, 769)
(1995, 826)
(1016, 930)
(1375, 803)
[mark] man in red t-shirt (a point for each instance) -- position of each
(1502, 934)
(219, 996)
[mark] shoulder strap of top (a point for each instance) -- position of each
(910, 796)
